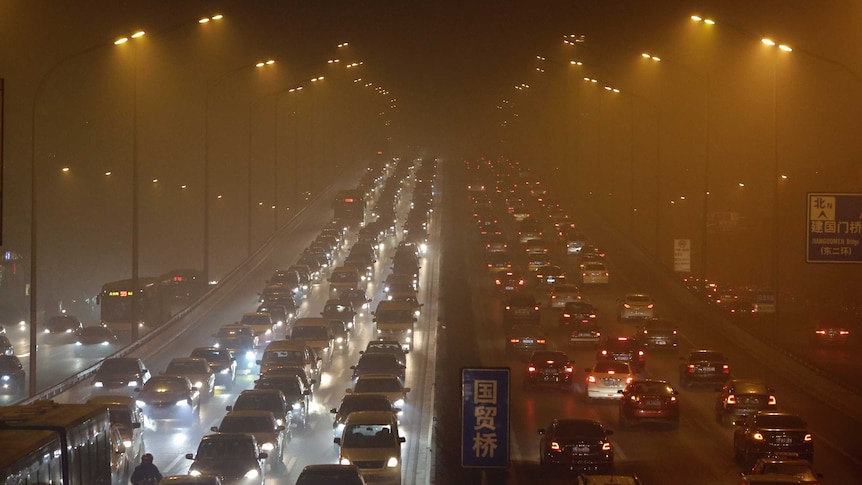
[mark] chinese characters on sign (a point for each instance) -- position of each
(834, 228)
(485, 418)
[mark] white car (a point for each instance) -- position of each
(594, 273)
(562, 294)
(606, 378)
(636, 305)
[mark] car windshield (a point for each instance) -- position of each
(609, 366)
(227, 449)
(377, 361)
(336, 308)
(377, 385)
(310, 332)
(594, 266)
(243, 343)
(233, 331)
(368, 436)
(550, 357)
(652, 388)
(284, 357)
(211, 355)
(353, 295)
(257, 319)
(578, 307)
(116, 366)
(246, 424)
(182, 368)
(362, 404)
(161, 385)
(288, 385)
(120, 417)
(780, 421)
(383, 347)
(343, 276)
(9, 362)
(258, 401)
(332, 477)
(638, 299)
(94, 332)
(587, 429)
(707, 357)
(394, 316)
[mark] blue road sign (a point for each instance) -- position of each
(834, 228)
(485, 417)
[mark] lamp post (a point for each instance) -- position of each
(206, 188)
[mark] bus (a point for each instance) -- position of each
(159, 298)
(48, 442)
(349, 206)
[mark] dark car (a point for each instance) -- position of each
(293, 371)
(357, 297)
(509, 281)
(298, 396)
(271, 400)
(95, 338)
(12, 378)
(581, 319)
(526, 337)
(624, 349)
(233, 457)
(831, 332)
(243, 349)
(659, 333)
(339, 310)
(786, 464)
(330, 474)
(649, 400)
(63, 324)
(521, 308)
(387, 346)
(550, 275)
(378, 363)
(271, 437)
(278, 311)
(6, 347)
(576, 445)
(549, 367)
(767, 433)
(221, 361)
(170, 398)
(120, 376)
(703, 367)
(358, 402)
(738, 398)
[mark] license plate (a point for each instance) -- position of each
(551, 372)
(660, 342)
(707, 369)
(612, 382)
(527, 341)
(653, 402)
(582, 449)
(624, 357)
(522, 311)
(510, 287)
(783, 440)
(551, 279)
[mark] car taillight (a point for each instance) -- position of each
(541, 341)
(536, 308)
(514, 340)
(531, 368)
(555, 446)
(807, 437)
(628, 380)
(626, 305)
(567, 315)
(604, 352)
(508, 307)
(611, 372)
(645, 331)
(725, 369)
(673, 399)
(521, 282)
(690, 368)
(674, 332)
(569, 369)
(772, 401)
(731, 399)
(591, 378)
(820, 332)
(490, 265)
(757, 436)
(606, 446)
(650, 305)
(592, 315)
(843, 332)
(497, 282)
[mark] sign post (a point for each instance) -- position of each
(834, 228)
(485, 417)
(682, 255)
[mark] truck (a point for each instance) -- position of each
(395, 320)
(349, 206)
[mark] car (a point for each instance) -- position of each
(577, 312)
(340, 309)
(305, 276)
(233, 457)
(536, 261)
(498, 261)
(271, 437)
(608, 480)
(237, 330)
(574, 242)
(6, 347)
(170, 398)
(261, 325)
(291, 353)
(95, 339)
(537, 246)
(510, 281)
(408, 297)
(198, 370)
(359, 402)
(378, 363)
(521, 308)
(297, 394)
(385, 384)
(550, 275)
(315, 332)
(624, 349)
(786, 464)
(271, 400)
(125, 414)
(221, 362)
(659, 333)
(549, 367)
(529, 230)
(372, 442)
(830, 333)
(334, 474)
(357, 297)
(12, 375)
(739, 308)
(606, 377)
(594, 273)
(278, 311)
(636, 306)
(738, 398)
(341, 334)
(648, 400)
(703, 367)
(387, 346)
(120, 376)
(766, 433)
(59, 324)
(293, 371)
(345, 278)
(496, 243)
(563, 293)
(242, 347)
(576, 445)
(526, 337)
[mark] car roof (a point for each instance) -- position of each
(371, 417)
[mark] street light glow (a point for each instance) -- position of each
(65, 169)
(137, 34)
(785, 48)
(768, 42)
(121, 40)
(217, 16)
(576, 63)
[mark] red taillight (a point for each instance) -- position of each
(508, 307)
(531, 368)
(591, 378)
(567, 315)
(569, 369)
(628, 380)
(626, 305)
(691, 368)
(536, 308)
(622, 339)
(650, 305)
(497, 282)
(541, 341)
(611, 372)
(725, 369)
(514, 340)
(843, 332)
(820, 332)
(555, 446)
(772, 401)
(731, 399)
(521, 282)
(604, 352)
(606, 446)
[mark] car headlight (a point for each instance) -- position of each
(279, 422)
(47, 331)
(250, 355)
(339, 340)
(140, 403)
(182, 402)
(226, 370)
(127, 443)
(130, 384)
(399, 403)
(393, 462)
(268, 331)
(297, 406)
(267, 447)
(5, 378)
(199, 384)
(98, 384)
(78, 343)
(253, 473)
(195, 473)
(345, 461)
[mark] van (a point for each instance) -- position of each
(344, 278)
(315, 332)
(125, 414)
(371, 440)
(290, 353)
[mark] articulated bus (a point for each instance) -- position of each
(47, 442)
(349, 206)
(158, 298)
